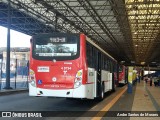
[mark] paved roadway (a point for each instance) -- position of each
(23, 102)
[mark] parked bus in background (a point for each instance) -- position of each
(69, 65)
(122, 78)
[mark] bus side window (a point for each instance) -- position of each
(89, 55)
(94, 58)
(105, 64)
(102, 61)
(111, 66)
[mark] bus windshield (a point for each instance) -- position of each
(55, 47)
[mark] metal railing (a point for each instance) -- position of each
(18, 74)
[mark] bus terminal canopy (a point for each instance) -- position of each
(127, 29)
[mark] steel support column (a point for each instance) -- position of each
(8, 50)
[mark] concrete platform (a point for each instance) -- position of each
(142, 104)
(147, 98)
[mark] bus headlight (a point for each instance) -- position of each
(78, 79)
(32, 79)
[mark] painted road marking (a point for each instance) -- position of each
(101, 113)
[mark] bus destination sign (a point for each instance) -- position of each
(57, 39)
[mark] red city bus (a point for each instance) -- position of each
(69, 65)
(122, 75)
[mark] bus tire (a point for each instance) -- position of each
(101, 97)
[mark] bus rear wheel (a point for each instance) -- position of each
(101, 97)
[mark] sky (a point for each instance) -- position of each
(17, 39)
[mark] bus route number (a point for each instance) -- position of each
(65, 69)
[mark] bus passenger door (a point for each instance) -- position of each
(98, 73)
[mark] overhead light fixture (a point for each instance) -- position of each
(136, 16)
(134, 12)
(142, 63)
(135, 33)
(122, 61)
(136, 45)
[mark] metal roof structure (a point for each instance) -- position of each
(129, 30)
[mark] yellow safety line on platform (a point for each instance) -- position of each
(101, 113)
